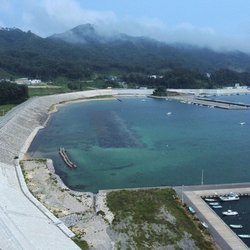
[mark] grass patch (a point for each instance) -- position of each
(100, 97)
(5, 108)
(81, 243)
(153, 217)
(49, 90)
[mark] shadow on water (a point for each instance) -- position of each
(79, 187)
(119, 167)
(112, 132)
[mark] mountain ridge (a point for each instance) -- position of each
(82, 51)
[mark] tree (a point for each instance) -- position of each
(12, 93)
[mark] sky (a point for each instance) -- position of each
(219, 24)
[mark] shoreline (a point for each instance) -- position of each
(33, 117)
(99, 200)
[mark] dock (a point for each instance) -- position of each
(220, 103)
(66, 159)
(194, 196)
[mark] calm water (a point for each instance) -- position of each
(243, 218)
(134, 143)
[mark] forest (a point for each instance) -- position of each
(12, 93)
(132, 60)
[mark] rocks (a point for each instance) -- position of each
(71, 219)
(101, 205)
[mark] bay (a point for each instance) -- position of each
(146, 142)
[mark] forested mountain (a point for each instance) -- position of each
(81, 52)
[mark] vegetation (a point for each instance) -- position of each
(81, 243)
(152, 218)
(11, 93)
(131, 59)
(41, 91)
(5, 108)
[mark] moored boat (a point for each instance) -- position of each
(217, 206)
(235, 226)
(214, 203)
(230, 212)
(230, 197)
(244, 236)
(209, 199)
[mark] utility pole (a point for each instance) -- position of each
(202, 177)
(182, 197)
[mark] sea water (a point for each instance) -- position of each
(243, 209)
(146, 142)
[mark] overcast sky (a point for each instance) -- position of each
(220, 24)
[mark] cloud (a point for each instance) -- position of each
(46, 17)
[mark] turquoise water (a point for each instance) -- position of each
(134, 143)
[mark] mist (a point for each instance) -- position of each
(46, 17)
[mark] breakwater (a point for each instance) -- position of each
(66, 159)
(26, 117)
(220, 103)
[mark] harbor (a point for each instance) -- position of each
(212, 103)
(224, 223)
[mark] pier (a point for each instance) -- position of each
(212, 103)
(220, 103)
(66, 159)
(193, 196)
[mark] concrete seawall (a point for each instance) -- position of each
(26, 222)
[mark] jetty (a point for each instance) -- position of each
(220, 103)
(66, 159)
(212, 103)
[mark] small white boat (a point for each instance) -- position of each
(209, 199)
(244, 236)
(217, 206)
(230, 197)
(204, 224)
(242, 123)
(230, 212)
(235, 226)
(169, 113)
(214, 203)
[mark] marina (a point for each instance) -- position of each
(231, 230)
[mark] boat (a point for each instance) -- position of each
(244, 236)
(204, 224)
(217, 206)
(214, 203)
(169, 113)
(230, 197)
(235, 226)
(242, 123)
(209, 199)
(191, 210)
(230, 212)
